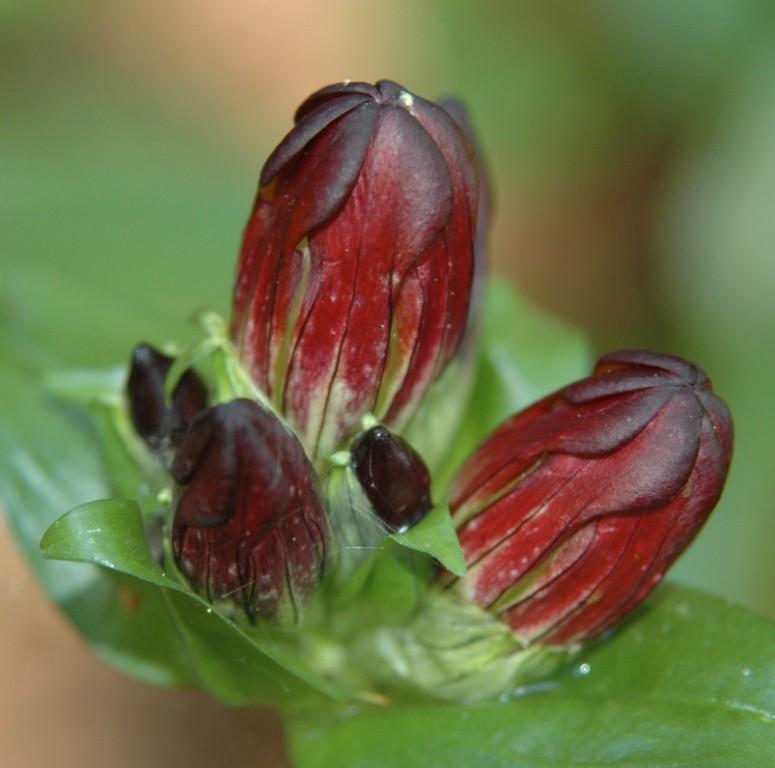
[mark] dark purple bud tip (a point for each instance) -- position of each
(153, 419)
(249, 524)
(393, 476)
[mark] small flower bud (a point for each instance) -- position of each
(354, 281)
(154, 419)
(572, 511)
(249, 524)
(393, 476)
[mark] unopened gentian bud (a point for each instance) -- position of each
(572, 511)
(249, 525)
(354, 281)
(456, 109)
(153, 418)
(393, 476)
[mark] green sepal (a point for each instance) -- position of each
(687, 682)
(452, 650)
(436, 537)
(358, 534)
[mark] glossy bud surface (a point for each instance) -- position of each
(393, 477)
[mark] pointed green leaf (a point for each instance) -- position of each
(435, 535)
(109, 533)
(239, 665)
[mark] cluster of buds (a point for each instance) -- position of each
(356, 289)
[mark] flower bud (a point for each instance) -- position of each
(354, 280)
(456, 109)
(249, 524)
(572, 511)
(154, 419)
(393, 476)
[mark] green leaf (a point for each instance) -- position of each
(239, 665)
(128, 624)
(392, 591)
(524, 354)
(130, 470)
(109, 533)
(385, 589)
(435, 535)
(85, 385)
(691, 682)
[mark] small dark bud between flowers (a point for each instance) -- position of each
(249, 524)
(572, 511)
(393, 476)
(354, 284)
(153, 418)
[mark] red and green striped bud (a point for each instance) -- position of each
(572, 511)
(354, 282)
(249, 524)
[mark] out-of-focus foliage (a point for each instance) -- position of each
(562, 88)
(717, 273)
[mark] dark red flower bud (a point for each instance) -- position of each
(456, 109)
(572, 511)
(393, 476)
(153, 418)
(249, 524)
(354, 281)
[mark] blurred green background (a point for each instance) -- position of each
(632, 146)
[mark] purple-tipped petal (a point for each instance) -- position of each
(249, 524)
(572, 511)
(154, 419)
